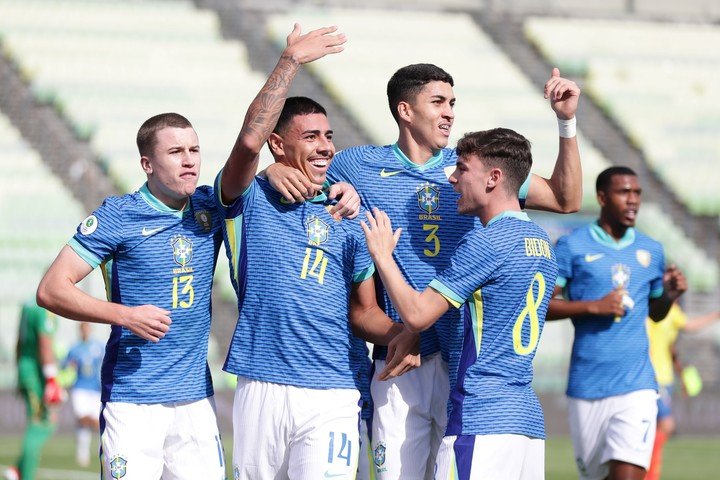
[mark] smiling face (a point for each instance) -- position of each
(173, 166)
(306, 144)
(620, 202)
(430, 115)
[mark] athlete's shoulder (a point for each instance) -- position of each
(361, 152)
(646, 241)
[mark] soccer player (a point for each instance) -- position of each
(37, 382)
(85, 359)
(612, 278)
(299, 275)
(663, 355)
(500, 277)
(157, 249)
(408, 181)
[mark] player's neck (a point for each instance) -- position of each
(496, 207)
(416, 152)
(616, 230)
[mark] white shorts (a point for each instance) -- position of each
(491, 457)
(409, 420)
(366, 470)
(282, 431)
(172, 441)
(620, 428)
(85, 403)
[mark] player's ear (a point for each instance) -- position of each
(146, 164)
(276, 145)
(404, 110)
(601, 198)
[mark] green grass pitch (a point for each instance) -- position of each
(686, 458)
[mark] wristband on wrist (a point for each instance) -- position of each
(567, 128)
(50, 370)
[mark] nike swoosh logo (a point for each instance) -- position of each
(385, 174)
(591, 258)
(334, 475)
(147, 233)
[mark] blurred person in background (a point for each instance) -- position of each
(662, 336)
(612, 278)
(85, 360)
(37, 373)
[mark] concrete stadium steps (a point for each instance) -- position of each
(662, 97)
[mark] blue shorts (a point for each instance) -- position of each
(664, 401)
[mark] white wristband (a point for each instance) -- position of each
(567, 127)
(50, 370)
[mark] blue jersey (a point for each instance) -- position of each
(86, 358)
(151, 254)
(610, 355)
(419, 199)
(293, 266)
(502, 278)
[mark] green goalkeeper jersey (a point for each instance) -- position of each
(35, 321)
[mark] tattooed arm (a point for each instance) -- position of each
(263, 113)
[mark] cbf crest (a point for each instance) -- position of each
(317, 230)
(428, 197)
(620, 276)
(118, 467)
(379, 454)
(182, 250)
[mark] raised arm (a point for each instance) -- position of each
(562, 192)
(264, 111)
(59, 293)
(418, 310)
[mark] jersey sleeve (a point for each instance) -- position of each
(363, 266)
(239, 205)
(656, 284)
(564, 261)
(524, 189)
(100, 234)
(472, 264)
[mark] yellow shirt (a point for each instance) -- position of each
(662, 335)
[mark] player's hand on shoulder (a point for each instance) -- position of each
(147, 321)
(304, 48)
(563, 94)
(291, 183)
(610, 304)
(348, 204)
(674, 282)
(403, 355)
(381, 240)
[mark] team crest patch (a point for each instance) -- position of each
(118, 467)
(620, 275)
(428, 197)
(89, 225)
(379, 454)
(317, 231)
(182, 250)
(643, 257)
(204, 219)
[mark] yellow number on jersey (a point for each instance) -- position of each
(432, 237)
(187, 289)
(531, 313)
(318, 267)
